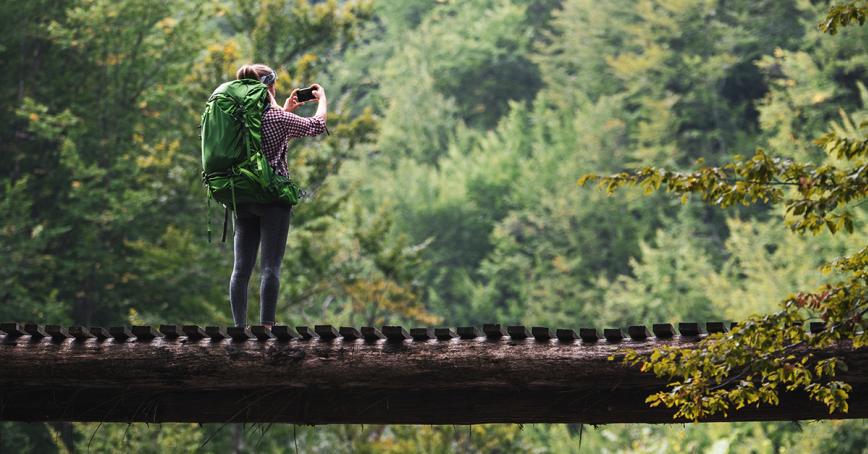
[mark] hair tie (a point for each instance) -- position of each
(268, 79)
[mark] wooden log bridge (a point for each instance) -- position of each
(326, 375)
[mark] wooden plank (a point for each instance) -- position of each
(99, 332)
(120, 333)
(444, 334)
(493, 330)
(216, 333)
(422, 334)
(690, 329)
(589, 334)
(305, 333)
(145, 333)
(518, 332)
(638, 332)
(372, 334)
(193, 332)
(171, 331)
(239, 333)
(716, 327)
(12, 329)
(349, 333)
(326, 332)
(35, 331)
(80, 333)
(566, 335)
(395, 333)
(468, 332)
(613, 334)
(284, 333)
(58, 333)
(262, 333)
(541, 333)
(663, 330)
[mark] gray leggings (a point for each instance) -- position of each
(268, 225)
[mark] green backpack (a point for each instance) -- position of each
(234, 168)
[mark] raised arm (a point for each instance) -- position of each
(322, 106)
(299, 126)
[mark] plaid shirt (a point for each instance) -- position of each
(278, 126)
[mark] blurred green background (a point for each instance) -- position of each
(445, 195)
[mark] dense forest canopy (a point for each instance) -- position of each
(446, 192)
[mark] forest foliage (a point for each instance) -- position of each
(768, 354)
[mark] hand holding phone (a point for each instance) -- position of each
(305, 94)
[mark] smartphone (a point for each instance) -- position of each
(305, 94)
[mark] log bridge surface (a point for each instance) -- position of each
(328, 375)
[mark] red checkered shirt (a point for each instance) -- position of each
(278, 126)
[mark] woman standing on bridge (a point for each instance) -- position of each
(268, 224)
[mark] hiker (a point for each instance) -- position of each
(268, 224)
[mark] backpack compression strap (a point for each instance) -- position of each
(225, 222)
